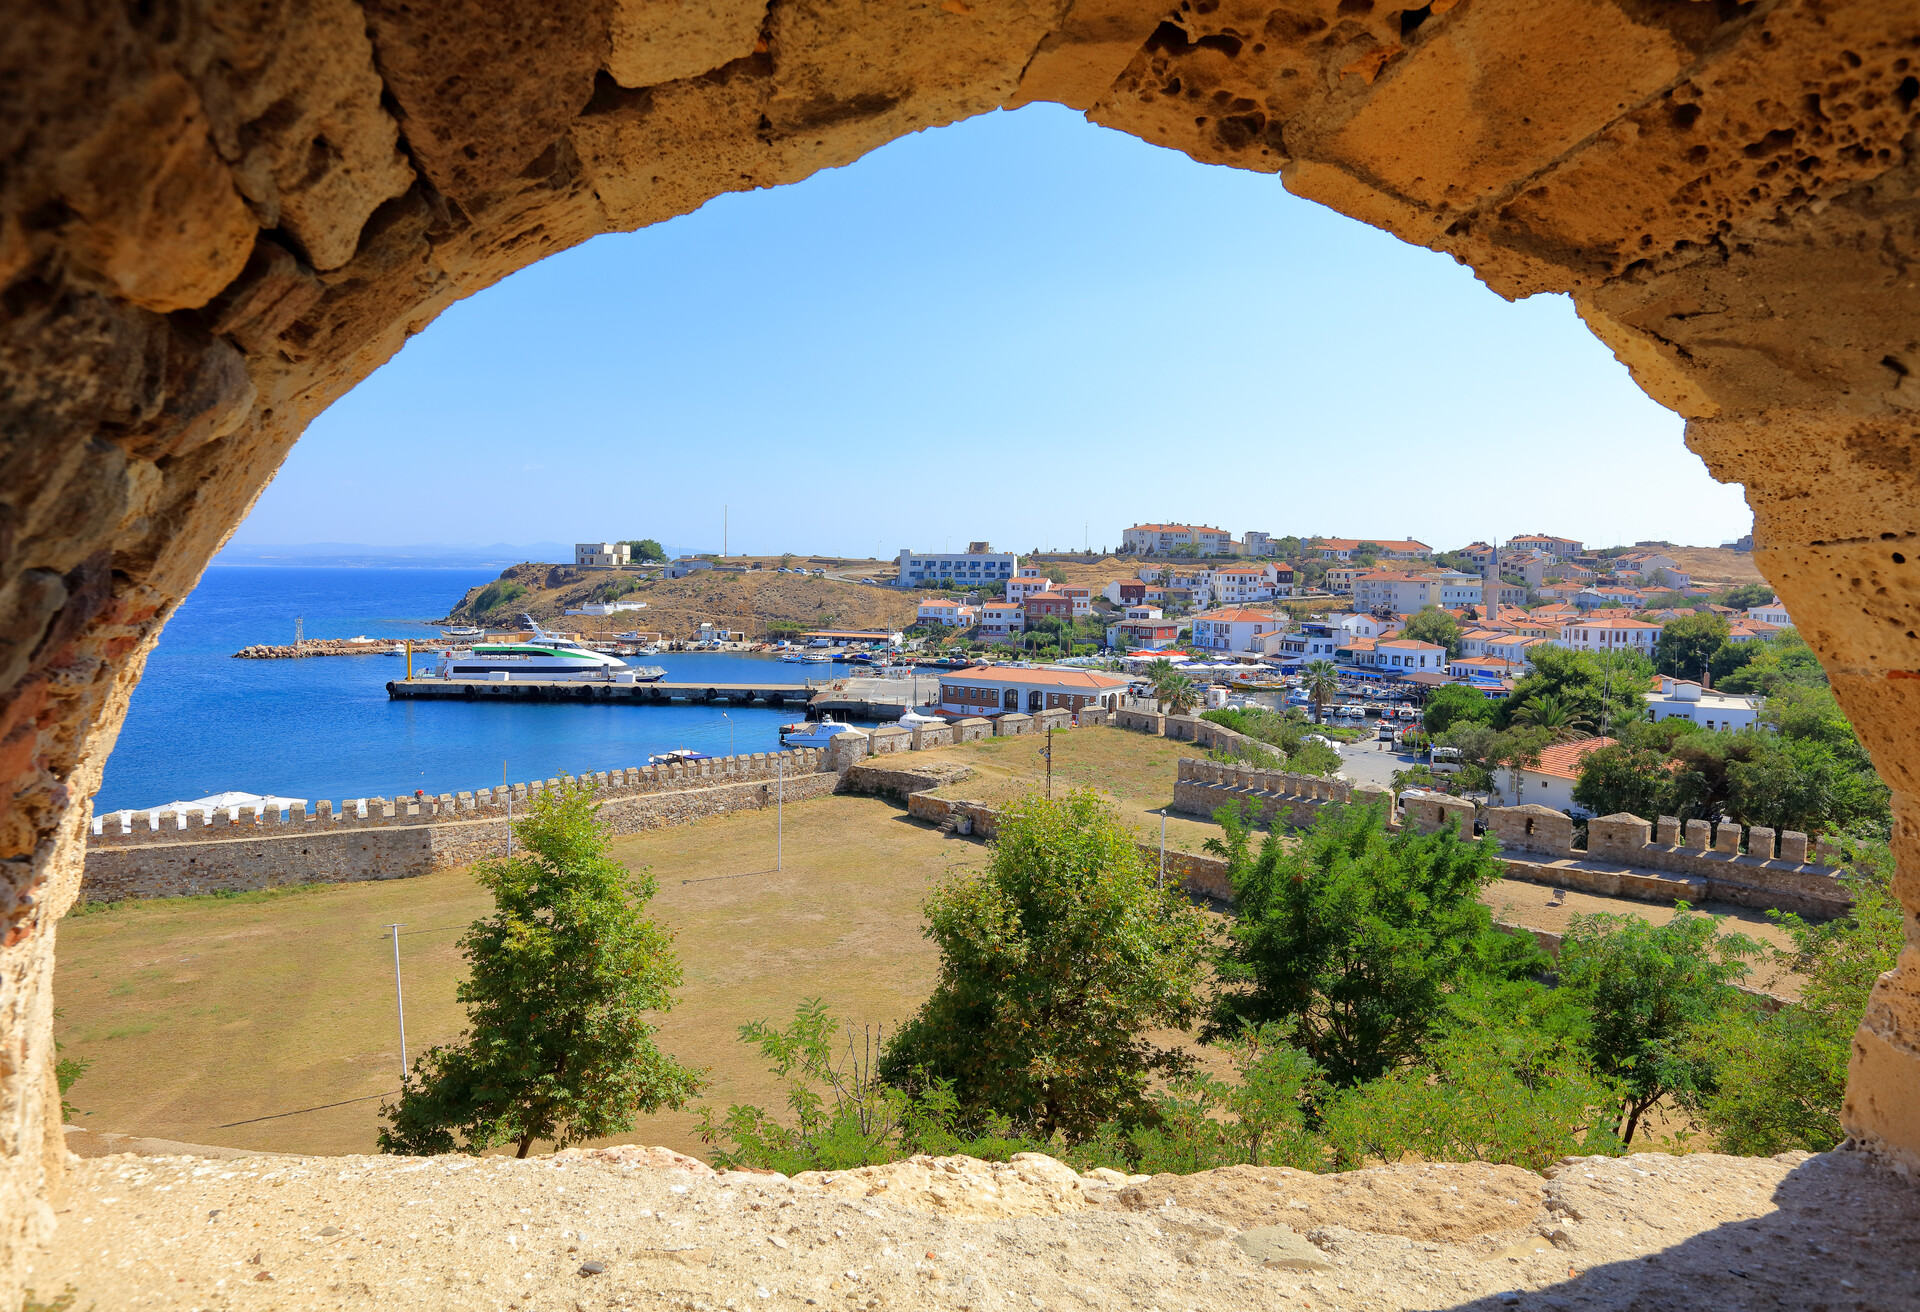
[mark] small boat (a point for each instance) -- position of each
(463, 631)
(817, 658)
(795, 658)
(678, 754)
(814, 735)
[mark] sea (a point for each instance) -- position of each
(202, 722)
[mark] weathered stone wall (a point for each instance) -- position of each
(400, 847)
(216, 218)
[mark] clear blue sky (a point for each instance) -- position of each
(1005, 329)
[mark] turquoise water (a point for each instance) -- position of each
(202, 722)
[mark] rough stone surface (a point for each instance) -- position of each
(217, 216)
(1030, 1184)
(1647, 1231)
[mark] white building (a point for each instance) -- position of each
(1771, 613)
(602, 554)
(1238, 587)
(967, 569)
(1158, 539)
(1398, 591)
(1233, 629)
(938, 610)
(995, 690)
(1458, 589)
(1711, 710)
(608, 607)
(1550, 782)
(1002, 619)
(1026, 583)
(1610, 634)
(1402, 656)
(1256, 543)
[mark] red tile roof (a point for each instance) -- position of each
(1563, 761)
(981, 675)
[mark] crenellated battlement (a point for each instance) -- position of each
(124, 828)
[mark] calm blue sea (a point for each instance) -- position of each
(202, 722)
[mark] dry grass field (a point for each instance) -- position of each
(200, 1012)
(206, 1019)
(1133, 771)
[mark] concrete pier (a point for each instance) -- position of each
(624, 694)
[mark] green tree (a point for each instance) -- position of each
(564, 976)
(1180, 693)
(1357, 937)
(1556, 718)
(1431, 624)
(1782, 661)
(1320, 681)
(646, 550)
(1626, 778)
(1601, 689)
(1687, 645)
(1782, 1075)
(1653, 990)
(1367, 553)
(1746, 596)
(1453, 703)
(1055, 964)
(1056, 574)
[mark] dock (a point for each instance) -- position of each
(595, 692)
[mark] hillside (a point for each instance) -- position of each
(1714, 565)
(676, 607)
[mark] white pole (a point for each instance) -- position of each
(780, 812)
(399, 1002)
(1163, 847)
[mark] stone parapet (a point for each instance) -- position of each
(358, 853)
(145, 828)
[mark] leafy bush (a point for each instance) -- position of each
(1054, 965)
(1781, 1076)
(841, 1114)
(1356, 937)
(566, 976)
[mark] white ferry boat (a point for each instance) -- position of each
(547, 656)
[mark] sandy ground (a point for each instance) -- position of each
(1650, 1231)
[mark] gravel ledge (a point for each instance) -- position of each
(644, 1228)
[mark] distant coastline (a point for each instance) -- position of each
(420, 555)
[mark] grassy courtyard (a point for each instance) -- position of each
(200, 1012)
(201, 1016)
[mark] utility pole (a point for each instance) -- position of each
(723, 531)
(1163, 847)
(503, 783)
(780, 812)
(399, 1002)
(1049, 754)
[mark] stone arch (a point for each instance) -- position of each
(217, 218)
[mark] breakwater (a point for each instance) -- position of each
(314, 647)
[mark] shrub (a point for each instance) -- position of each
(1054, 965)
(565, 975)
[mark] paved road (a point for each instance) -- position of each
(1364, 762)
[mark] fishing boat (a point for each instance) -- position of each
(816, 658)
(464, 631)
(795, 658)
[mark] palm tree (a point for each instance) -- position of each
(1159, 673)
(1321, 682)
(1556, 717)
(1179, 692)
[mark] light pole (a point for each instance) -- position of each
(399, 1002)
(729, 720)
(780, 812)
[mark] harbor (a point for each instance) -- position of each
(846, 698)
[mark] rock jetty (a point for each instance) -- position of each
(314, 647)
